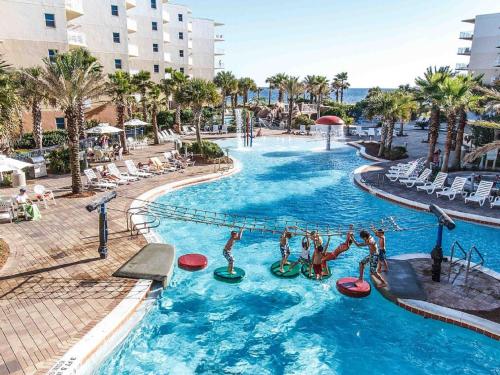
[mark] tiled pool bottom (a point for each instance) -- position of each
(267, 325)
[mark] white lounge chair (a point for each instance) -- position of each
(177, 155)
(360, 132)
(133, 171)
(215, 129)
(495, 202)
(371, 133)
(7, 210)
(172, 161)
(94, 182)
(43, 194)
(438, 183)
(481, 194)
(113, 169)
(422, 179)
(119, 181)
(223, 129)
(457, 187)
(403, 174)
(162, 167)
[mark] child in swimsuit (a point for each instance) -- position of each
(316, 262)
(305, 257)
(371, 258)
(235, 236)
(382, 257)
(340, 249)
(284, 247)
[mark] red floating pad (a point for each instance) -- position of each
(192, 262)
(348, 287)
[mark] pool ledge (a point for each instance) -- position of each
(87, 354)
(363, 153)
(445, 314)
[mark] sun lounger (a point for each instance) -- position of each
(164, 167)
(113, 170)
(215, 129)
(457, 187)
(110, 178)
(43, 194)
(7, 210)
(94, 182)
(495, 202)
(223, 129)
(422, 179)
(481, 194)
(437, 184)
(177, 155)
(133, 171)
(403, 174)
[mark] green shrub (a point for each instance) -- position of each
(50, 138)
(59, 161)
(7, 180)
(166, 119)
(211, 150)
(396, 153)
(303, 120)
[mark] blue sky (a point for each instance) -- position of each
(378, 42)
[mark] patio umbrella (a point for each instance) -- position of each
(135, 123)
(329, 121)
(104, 128)
(9, 165)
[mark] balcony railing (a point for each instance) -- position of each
(133, 72)
(190, 27)
(74, 9)
(131, 25)
(167, 57)
(219, 52)
(129, 4)
(466, 35)
(190, 61)
(464, 51)
(462, 66)
(190, 44)
(165, 16)
(219, 65)
(76, 39)
(219, 37)
(166, 37)
(133, 50)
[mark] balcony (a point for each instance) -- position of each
(466, 35)
(74, 9)
(219, 38)
(167, 57)
(129, 4)
(168, 76)
(131, 25)
(190, 61)
(133, 72)
(133, 50)
(190, 44)
(166, 37)
(76, 39)
(462, 66)
(219, 52)
(219, 65)
(190, 27)
(165, 16)
(465, 51)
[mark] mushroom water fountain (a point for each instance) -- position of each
(335, 125)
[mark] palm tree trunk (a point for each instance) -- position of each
(318, 110)
(462, 121)
(74, 149)
(245, 99)
(383, 137)
(223, 108)
(280, 95)
(154, 122)
(36, 112)
(401, 129)
(80, 118)
(197, 117)
(120, 119)
(341, 95)
(433, 133)
(290, 113)
(449, 138)
(178, 114)
(269, 95)
(336, 95)
(144, 107)
(389, 136)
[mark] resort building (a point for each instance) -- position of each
(130, 35)
(484, 51)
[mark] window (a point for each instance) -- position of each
(50, 20)
(181, 70)
(153, 4)
(52, 55)
(114, 10)
(118, 63)
(179, 16)
(60, 123)
(156, 68)
(181, 35)
(154, 26)
(181, 53)
(116, 37)
(155, 47)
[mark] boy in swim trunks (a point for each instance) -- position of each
(319, 253)
(382, 257)
(372, 258)
(305, 257)
(284, 247)
(341, 248)
(235, 236)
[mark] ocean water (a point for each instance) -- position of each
(267, 325)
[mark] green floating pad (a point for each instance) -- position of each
(305, 272)
(289, 272)
(221, 274)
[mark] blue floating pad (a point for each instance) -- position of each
(305, 272)
(221, 274)
(289, 273)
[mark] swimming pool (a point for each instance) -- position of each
(267, 325)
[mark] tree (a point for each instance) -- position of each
(280, 79)
(119, 88)
(33, 97)
(341, 80)
(407, 107)
(142, 83)
(198, 93)
(272, 85)
(430, 96)
(227, 83)
(155, 101)
(171, 86)
(246, 85)
(310, 85)
(336, 85)
(293, 87)
(10, 104)
(67, 81)
(321, 88)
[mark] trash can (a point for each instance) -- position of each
(18, 179)
(39, 168)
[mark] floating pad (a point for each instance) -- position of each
(347, 286)
(221, 274)
(192, 262)
(305, 272)
(289, 273)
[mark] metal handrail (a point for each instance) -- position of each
(469, 257)
(455, 245)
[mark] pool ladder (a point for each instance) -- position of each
(460, 260)
(144, 226)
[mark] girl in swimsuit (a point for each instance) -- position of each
(284, 247)
(340, 249)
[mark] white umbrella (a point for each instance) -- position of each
(103, 129)
(9, 165)
(135, 123)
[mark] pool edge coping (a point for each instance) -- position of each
(88, 353)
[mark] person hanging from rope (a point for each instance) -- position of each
(382, 256)
(285, 247)
(235, 236)
(372, 258)
(344, 246)
(305, 256)
(317, 261)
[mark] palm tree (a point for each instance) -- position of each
(321, 88)
(272, 84)
(227, 83)
(341, 81)
(33, 97)
(67, 81)
(310, 85)
(336, 85)
(171, 86)
(280, 79)
(142, 82)
(155, 102)
(119, 88)
(198, 93)
(293, 87)
(407, 107)
(430, 95)
(246, 85)
(10, 104)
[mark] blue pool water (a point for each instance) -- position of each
(267, 325)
